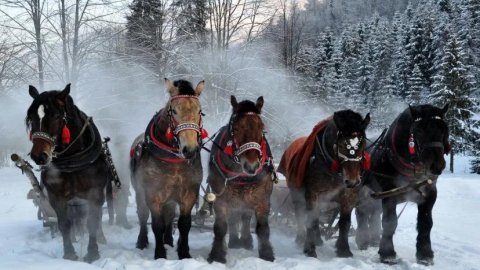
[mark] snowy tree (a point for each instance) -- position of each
(453, 85)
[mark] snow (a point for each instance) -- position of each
(25, 244)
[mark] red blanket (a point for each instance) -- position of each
(296, 157)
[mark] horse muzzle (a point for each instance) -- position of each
(349, 183)
(41, 159)
(190, 152)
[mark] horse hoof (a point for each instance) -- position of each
(142, 244)
(70, 256)
(184, 256)
(91, 257)
(212, 259)
(310, 253)
(344, 253)
(390, 260)
(160, 255)
(267, 256)
(234, 243)
(247, 243)
(425, 261)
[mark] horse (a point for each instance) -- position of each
(405, 166)
(166, 168)
(323, 174)
(68, 147)
(240, 176)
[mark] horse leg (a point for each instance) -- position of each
(246, 238)
(424, 226)
(220, 228)
(169, 213)
(311, 221)
(185, 223)
(143, 214)
(344, 223)
(233, 220)
(298, 199)
(265, 250)
(64, 225)
(93, 223)
(389, 224)
(158, 228)
(109, 197)
(362, 236)
(375, 224)
(318, 233)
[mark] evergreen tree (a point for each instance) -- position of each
(453, 85)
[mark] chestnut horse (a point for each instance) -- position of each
(68, 147)
(166, 168)
(324, 172)
(411, 155)
(240, 175)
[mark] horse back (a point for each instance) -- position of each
(287, 166)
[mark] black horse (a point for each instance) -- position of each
(409, 157)
(68, 147)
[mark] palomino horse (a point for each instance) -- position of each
(166, 168)
(240, 175)
(323, 173)
(68, 146)
(405, 166)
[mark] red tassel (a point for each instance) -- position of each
(65, 135)
(366, 161)
(30, 135)
(335, 167)
(169, 134)
(132, 152)
(411, 145)
(448, 148)
(228, 149)
(204, 134)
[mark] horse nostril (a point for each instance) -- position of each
(42, 158)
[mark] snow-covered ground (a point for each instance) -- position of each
(25, 244)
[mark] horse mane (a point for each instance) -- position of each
(295, 160)
(184, 87)
(246, 106)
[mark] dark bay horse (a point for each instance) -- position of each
(323, 173)
(166, 168)
(240, 175)
(411, 155)
(68, 147)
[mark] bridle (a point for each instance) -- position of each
(351, 156)
(414, 145)
(174, 127)
(234, 149)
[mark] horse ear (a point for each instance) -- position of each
(366, 121)
(172, 90)
(33, 91)
(199, 88)
(62, 96)
(234, 102)
(336, 120)
(445, 109)
(413, 112)
(259, 104)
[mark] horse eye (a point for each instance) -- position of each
(174, 111)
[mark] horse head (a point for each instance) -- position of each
(246, 129)
(185, 116)
(47, 122)
(428, 137)
(349, 149)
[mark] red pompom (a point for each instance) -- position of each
(335, 167)
(132, 152)
(169, 134)
(366, 161)
(228, 149)
(204, 134)
(411, 145)
(448, 148)
(65, 135)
